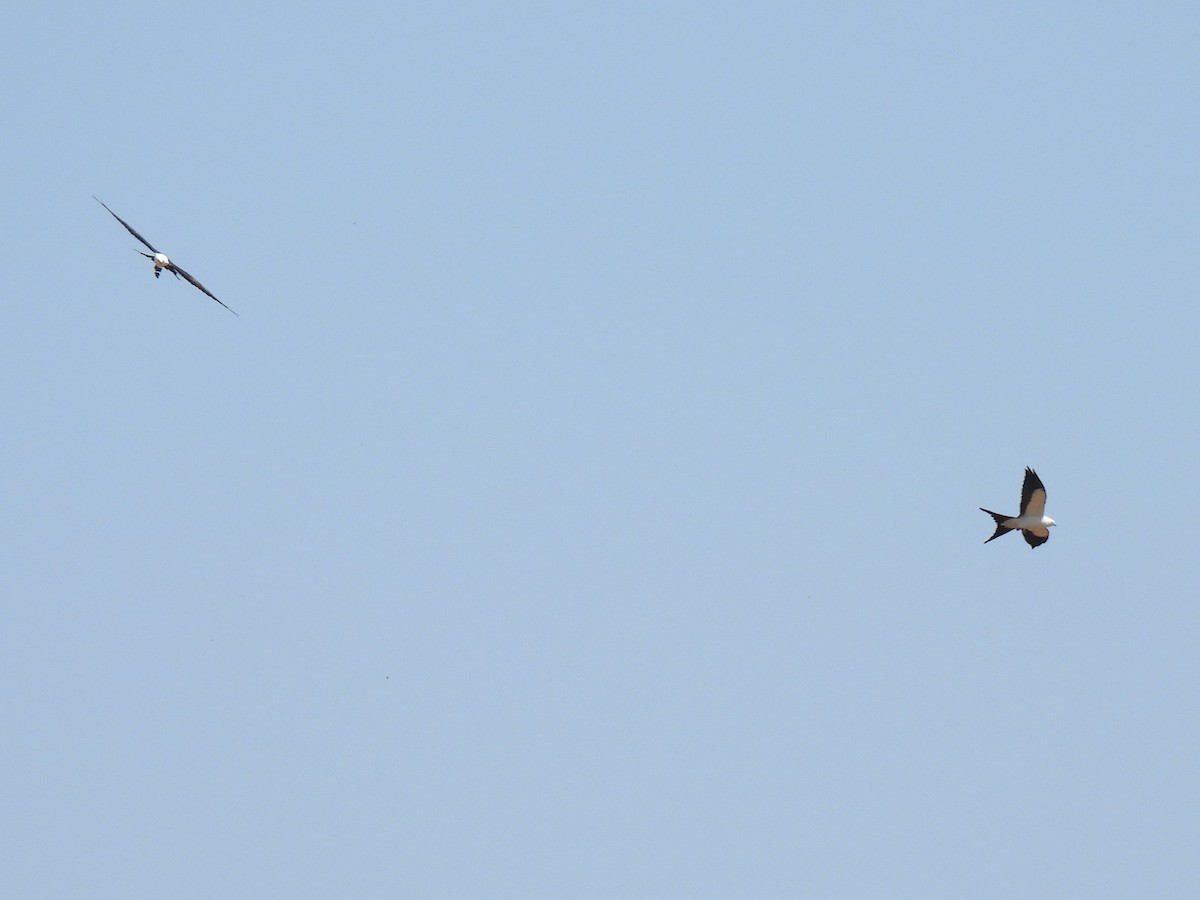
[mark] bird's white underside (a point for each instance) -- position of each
(1038, 525)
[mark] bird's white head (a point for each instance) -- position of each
(1050, 522)
(161, 261)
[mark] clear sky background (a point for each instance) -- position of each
(585, 503)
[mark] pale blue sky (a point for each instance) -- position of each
(586, 502)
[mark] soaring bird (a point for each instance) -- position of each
(159, 259)
(1032, 522)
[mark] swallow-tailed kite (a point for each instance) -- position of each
(1032, 521)
(160, 259)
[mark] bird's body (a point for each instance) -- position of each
(160, 260)
(1032, 522)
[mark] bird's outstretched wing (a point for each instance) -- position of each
(128, 227)
(1035, 540)
(174, 269)
(1033, 495)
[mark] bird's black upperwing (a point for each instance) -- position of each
(1030, 494)
(178, 271)
(128, 227)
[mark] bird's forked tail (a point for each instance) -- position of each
(1000, 527)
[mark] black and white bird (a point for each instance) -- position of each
(1032, 522)
(160, 259)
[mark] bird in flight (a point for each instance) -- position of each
(160, 259)
(1032, 522)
